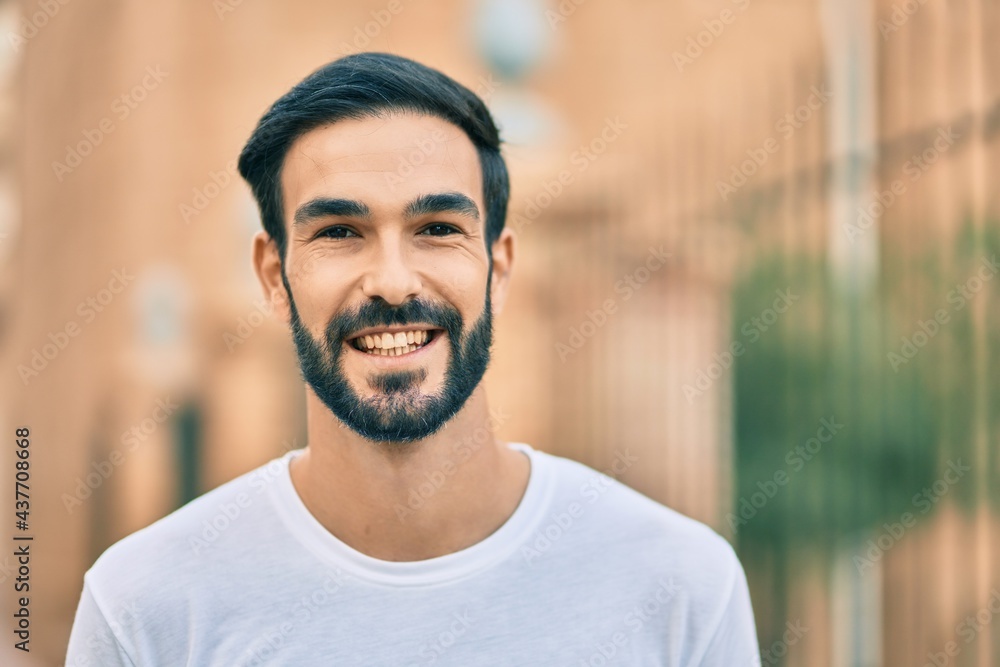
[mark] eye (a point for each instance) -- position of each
(336, 232)
(441, 229)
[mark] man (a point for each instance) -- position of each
(404, 533)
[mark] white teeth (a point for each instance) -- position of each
(393, 345)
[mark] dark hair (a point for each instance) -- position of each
(364, 85)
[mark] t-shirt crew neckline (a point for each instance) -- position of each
(478, 557)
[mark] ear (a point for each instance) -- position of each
(267, 266)
(503, 264)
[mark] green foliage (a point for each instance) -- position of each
(823, 359)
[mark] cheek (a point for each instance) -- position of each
(462, 286)
(320, 290)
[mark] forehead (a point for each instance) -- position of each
(383, 162)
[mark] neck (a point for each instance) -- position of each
(410, 501)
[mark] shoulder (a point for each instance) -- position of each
(188, 545)
(641, 533)
(628, 513)
(633, 549)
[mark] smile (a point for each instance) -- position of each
(393, 344)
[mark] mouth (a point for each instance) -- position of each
(392, 342)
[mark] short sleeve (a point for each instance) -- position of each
(734, 641)
(92, 642)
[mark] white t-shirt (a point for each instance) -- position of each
(585, 572)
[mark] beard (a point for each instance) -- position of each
(398, 411)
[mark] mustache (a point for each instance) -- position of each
(378, 312)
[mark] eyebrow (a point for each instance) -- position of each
(324, 207)
(444, 202)
(441, 202)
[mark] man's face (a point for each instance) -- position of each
(387, 266)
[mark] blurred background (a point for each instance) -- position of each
(758, 251)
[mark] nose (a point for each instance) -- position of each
(390, 276)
